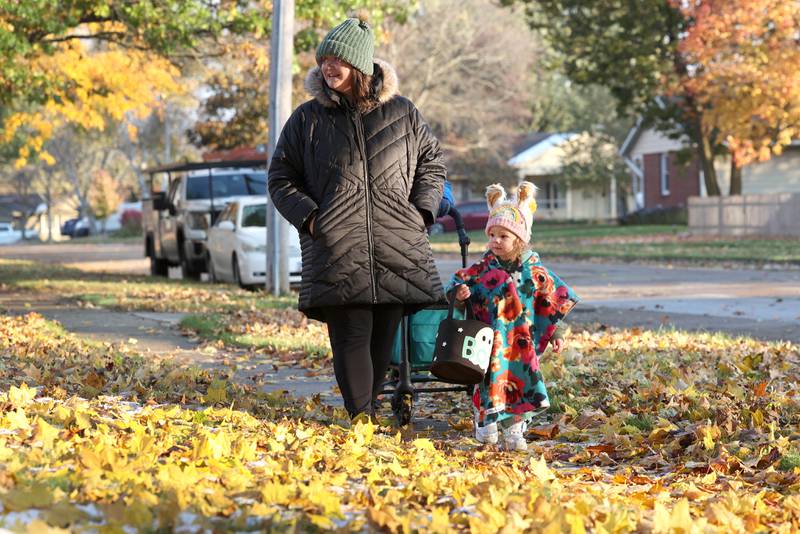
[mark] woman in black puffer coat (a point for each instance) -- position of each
(359, 173)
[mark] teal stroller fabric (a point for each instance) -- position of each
(422, 328)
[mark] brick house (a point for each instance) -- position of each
(659, 178)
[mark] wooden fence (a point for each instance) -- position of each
(774, 214)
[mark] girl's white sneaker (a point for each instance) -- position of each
(486, 434)
(514, 437)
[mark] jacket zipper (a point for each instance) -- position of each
(363, 147)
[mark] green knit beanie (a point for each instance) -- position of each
(350, 41)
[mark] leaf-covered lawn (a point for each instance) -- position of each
(643, 242)
(285, 331)
(661, 432)
(135, 292)
(218, 312)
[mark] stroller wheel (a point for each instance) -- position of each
(402, 405)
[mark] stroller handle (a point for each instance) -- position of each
(463, 238)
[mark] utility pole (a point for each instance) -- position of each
(167, 135)
(280, 107)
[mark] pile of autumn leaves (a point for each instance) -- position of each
(654, 432)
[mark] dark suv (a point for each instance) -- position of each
(176, 221)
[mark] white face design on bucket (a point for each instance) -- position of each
(478, 349)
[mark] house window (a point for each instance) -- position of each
(664, 174)
(553, 197)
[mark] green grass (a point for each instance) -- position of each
(136, 292)
(642, 242)
(790, 460)
(212, 327)
(642, 421)
(98, 300)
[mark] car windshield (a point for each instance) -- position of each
(255, 215)
(226, 185)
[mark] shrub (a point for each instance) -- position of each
(131, 223)
(659, 215)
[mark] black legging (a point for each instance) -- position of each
(361, 338)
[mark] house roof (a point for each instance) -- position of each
(636, 132)
(243, 153)
(632, 137)
(20, 202)
(14, 204)
(540, 148)
(528, 141)
(638, 128)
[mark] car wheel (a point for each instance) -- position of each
(188, 270)
(212, 274)
(436, 229)
(158, 267)
(237, 275)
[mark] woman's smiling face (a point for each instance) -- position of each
(338, 74)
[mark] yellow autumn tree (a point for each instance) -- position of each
(104, 195)
(745, 74)
(100, 83)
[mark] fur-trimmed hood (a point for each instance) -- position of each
(384, 74)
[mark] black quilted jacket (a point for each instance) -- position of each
(373, 179)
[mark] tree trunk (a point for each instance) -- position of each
(706, 154)
(49, 197)
(736, 177)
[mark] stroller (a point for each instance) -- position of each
(412, 353)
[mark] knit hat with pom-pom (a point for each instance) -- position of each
(515, 215)
(351, 41)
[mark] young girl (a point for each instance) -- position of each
(524, 302)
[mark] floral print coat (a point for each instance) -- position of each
(523, 302)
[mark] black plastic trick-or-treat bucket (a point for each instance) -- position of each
(463, 347)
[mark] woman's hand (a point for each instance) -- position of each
(557, 344)
(462, 293)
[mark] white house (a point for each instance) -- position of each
(540, 159)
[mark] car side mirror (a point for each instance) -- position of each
(227, 225)
(160, 202)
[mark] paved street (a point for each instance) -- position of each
(91, 257)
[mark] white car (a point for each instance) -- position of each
(237, 245)
(8, 235)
